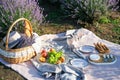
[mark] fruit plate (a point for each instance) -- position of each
(47, 67)
(86, 49)
(105, 59)
(38, 60)
(52, 56)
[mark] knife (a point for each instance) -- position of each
(78, 53)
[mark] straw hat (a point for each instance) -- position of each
(13, 39)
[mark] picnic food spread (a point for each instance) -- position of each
(103, 57)
(52, 56)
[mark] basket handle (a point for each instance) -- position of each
(27, 22)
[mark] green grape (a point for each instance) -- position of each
(58, 55)
(51, 59)
(54, 56)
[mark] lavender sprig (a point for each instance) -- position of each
(114, 4)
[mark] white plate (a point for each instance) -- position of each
(47, 66)
(86, 48)
(38, 56)
(102, 63)
(79, 62)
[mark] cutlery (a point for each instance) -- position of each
(78, 53)
(108, 58)
(69, 36)
(63, 38)
(112, 57)
(105, 58)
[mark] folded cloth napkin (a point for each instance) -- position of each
(48, 70)
(71, 73)
(64, 71)
(81, 37)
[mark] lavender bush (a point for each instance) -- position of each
(11, 10)
(84, 10)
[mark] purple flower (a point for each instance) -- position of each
(14, 9)
(114, 4)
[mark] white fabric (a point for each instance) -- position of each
(92, 72)
(12, 37)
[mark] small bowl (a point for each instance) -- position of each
(94, 57)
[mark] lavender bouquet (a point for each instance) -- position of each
(11, 10)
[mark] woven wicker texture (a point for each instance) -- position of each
(20, 54)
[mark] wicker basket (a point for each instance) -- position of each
(20, 54)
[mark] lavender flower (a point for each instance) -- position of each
(114, 4)
(11, 10)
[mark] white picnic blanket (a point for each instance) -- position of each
(92, 72)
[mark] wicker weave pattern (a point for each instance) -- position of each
(17, 55)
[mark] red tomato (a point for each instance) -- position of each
(44, 53)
